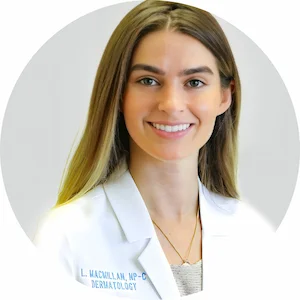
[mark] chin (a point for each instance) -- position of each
(169, 155)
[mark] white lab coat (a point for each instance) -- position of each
(106, 240)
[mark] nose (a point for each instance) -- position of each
(171, 100)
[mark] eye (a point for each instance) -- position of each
(148, 81)
(195, 83)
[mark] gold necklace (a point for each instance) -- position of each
(185, 260)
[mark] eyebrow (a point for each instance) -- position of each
(185, 72)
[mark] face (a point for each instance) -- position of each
(172, 97)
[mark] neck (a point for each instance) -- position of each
(169, 188)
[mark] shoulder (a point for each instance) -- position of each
(237, 216)
(252, 219)
(73, 216)
(54, 236)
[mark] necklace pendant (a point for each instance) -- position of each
(186, 263)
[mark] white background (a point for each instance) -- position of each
(26, 25)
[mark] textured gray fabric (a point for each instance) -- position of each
(188, 278)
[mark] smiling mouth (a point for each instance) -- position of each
(169, 128)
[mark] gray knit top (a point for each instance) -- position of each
(188, 278)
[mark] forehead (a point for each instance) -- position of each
(173, 50)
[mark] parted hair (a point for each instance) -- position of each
(105, 139)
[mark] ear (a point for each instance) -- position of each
(226, 98)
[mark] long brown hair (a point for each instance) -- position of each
(105, 140)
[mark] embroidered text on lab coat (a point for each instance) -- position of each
(113, 280)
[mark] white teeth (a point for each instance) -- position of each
(169, 128)
(175, 128)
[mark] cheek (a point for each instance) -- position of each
(133, 112)
(204, 111)
(206, 114)
(205, 107)
(137, 106)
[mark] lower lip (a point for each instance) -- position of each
(171, 135)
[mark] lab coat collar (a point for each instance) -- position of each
(217, 213)
(129, 205)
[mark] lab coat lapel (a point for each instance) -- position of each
(158, 269)
(136, 223)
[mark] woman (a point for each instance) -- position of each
(151, 187)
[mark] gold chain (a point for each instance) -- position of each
(185, 261)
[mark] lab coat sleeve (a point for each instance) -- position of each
(52, 241)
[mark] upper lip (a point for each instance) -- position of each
(170, 123)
